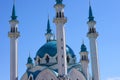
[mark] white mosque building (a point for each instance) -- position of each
(55, 60)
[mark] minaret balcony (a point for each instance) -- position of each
(13, 34)
(59, 6)
(92, 35)
(62, 20)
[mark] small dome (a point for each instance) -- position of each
(83, 48)
(59, 1)
(50, 48)
(29, 61)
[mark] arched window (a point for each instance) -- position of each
(38, 60)
(56, 58)
(47, 59)
(12, 29)
(57, 15)
(82, 58)
(62, 56)
(60, 14)
(30, 77)
(61, 47)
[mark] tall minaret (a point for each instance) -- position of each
(92, 35)
(84, 60)
(60, 20)
(49, 34)
(13, 34)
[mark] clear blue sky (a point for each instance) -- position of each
(32, 16)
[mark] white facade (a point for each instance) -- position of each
(55, 60)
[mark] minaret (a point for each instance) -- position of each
(84, 60)
(13, 34)
(60, 20)
(92, 35)
(49, 34)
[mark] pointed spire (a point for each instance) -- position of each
(91, 17)
(48, 26)
(59, 1)
(14, 17)
(29, 61)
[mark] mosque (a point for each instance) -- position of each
(55, 60)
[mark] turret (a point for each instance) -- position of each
(92, 35)
(13, 35)
(84, 60)
(49, 35)
(29, 63)
(60, 21)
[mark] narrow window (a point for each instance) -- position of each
(82, 58)
(61, 47)
(62, 56)
(68, 59)
(13, 29)
(30, 77)
(62, 65)
(56, 58)
(47, 59)
(57, 15)
(60, 14)
(38, 61)
(61, 39)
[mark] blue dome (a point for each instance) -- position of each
(51, 49)
(83, 48)
(29, 61)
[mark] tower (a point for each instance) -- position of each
(49, 34)
(84, 60)
(13, 34)
(60, 20)
(92, 35)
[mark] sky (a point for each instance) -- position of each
(33, 15)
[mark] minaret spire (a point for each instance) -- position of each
(92, 35)
(91, 17)
(13, 35)
(48, 26)
(49, 34)
(13, 17)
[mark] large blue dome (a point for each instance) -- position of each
(50, 48)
